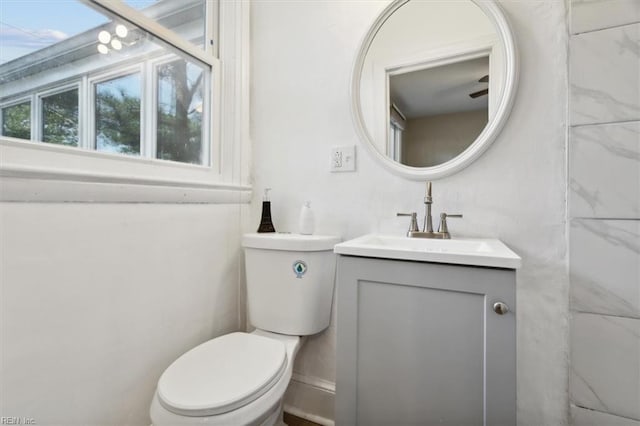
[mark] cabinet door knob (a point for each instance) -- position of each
(500, 308)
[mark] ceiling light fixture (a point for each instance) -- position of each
(121, 31)
(108, 41)
(104, 37)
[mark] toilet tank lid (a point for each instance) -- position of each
(290, 242)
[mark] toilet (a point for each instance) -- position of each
(240, 378)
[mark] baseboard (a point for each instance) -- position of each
(311, 398)
(315, 382)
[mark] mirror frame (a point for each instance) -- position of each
(495, 15)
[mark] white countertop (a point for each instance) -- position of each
(486, 252)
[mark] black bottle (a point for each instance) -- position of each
(265, 221)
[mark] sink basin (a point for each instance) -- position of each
(463, 251)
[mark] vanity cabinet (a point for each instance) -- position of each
(421, 343)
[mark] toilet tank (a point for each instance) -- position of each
(290, 281)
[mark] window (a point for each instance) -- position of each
(170, 82)
(117, 118)
(397, 125)
(60, 118)
(16, 120)
(186, 16)
(179, 114)
(395, 141)
(123, 100)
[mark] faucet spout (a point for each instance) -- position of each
(428, 200)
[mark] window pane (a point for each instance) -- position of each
(185, 17)
(60, 118)
(16, 121)
(180, 106)
(117, 104)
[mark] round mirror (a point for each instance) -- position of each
(433, 84)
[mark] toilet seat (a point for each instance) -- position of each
(222, 375)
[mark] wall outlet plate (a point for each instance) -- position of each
(343, 158)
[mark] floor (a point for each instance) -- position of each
(292, 420)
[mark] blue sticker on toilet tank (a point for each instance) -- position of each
(300, 268)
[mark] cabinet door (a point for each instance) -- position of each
(419, 343)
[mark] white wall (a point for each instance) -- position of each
(98, 299)
(302, 54)
(436, 139)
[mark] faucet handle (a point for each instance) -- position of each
(443, 228)
(413, 226)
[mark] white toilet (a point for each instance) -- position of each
(240, 378)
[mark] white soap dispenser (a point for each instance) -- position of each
(307, 221)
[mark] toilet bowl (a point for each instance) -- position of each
(253, 406)
(240, 378)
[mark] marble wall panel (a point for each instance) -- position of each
(604, 171)
(605, 266)
(586, 417)
(604, 75)
(590, 15)
(605, 364)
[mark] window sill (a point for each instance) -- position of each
(26, 176)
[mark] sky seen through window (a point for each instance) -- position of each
(30, 25)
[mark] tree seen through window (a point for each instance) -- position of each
(60, 118)
(117, 104)
(16, 121)
(180, 106)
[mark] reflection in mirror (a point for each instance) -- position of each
(436, 113)
(419, 71)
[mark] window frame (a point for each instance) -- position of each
(36, 171)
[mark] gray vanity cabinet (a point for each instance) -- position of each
(420, 343)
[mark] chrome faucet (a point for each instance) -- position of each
(427, 227)
(428, 200)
